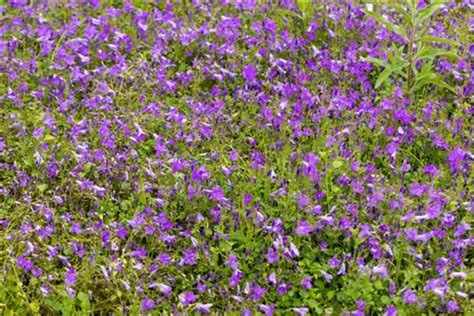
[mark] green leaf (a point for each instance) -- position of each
(431, 39)
(84, 301)
(337, 164)
(391, 57)
(389, 25)
(398, 58)
(49, 138)
(54, 304)
(67, 306)
(428, 11)
(431, 53)
(399, 52)
(377, 61)
(425, 71)
(330, 294)
(42, 187)
(385, 300)
(400, 9)
(88, 167)
(34, 307)
(387, 72)
(305, 6)
(411, 6)
(433, 80)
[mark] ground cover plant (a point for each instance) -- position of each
(236, 157)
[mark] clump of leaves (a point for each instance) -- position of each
(419, 47)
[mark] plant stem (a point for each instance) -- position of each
(411, 40)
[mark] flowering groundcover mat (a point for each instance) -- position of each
(236, 157)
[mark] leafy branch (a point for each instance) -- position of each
(419, 46)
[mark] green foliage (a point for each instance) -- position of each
(419, 47)
(136, 178)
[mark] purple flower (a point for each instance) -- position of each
(307, 283)
(24, 263)
(233, 155)
(283, 288)
(267, 309)
(365, 231)
(233, 262)
(334, 262)
(391, 311)
(291, 252)
(164, 289)
(416, 189)
(45, 289)
(459, 275)
(38, 133)
(301, 311)
(71, 277)
(187, 298)
(122, 233)
(431, 170)
(272, 278)
(409, 297)
(164, 259)
(303, 201)
(139, 253)
(247, 199)
(217, 194)
(235, 278)
(147, 304)
(381, 271)
(455, 159)
(189, 256)
(434, 210)
(18, 3)
(203, 308)
(201, 174)
(250, 73)
(303, 228)
(258, 292)
(272, 255)
(461, 229)
(76, 228)
(391, 288)
(328, 277)
(452, 306)
(201, 287)
(37, 272)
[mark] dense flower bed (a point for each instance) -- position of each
(236, 157)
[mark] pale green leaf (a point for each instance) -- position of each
(426, 70)
(376, 61)
(436, 81)
(387, 72)
(428, 11)
(84, 301)
(431, 53)
(304, 6)
(42, 187)
(411, 6)
(427, 77)
(48, 138)
(431, 39)
(389, 25)
(400, 9)
(337, 164)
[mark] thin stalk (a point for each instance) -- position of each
(411, 41)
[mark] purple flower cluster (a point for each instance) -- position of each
(230, 157)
